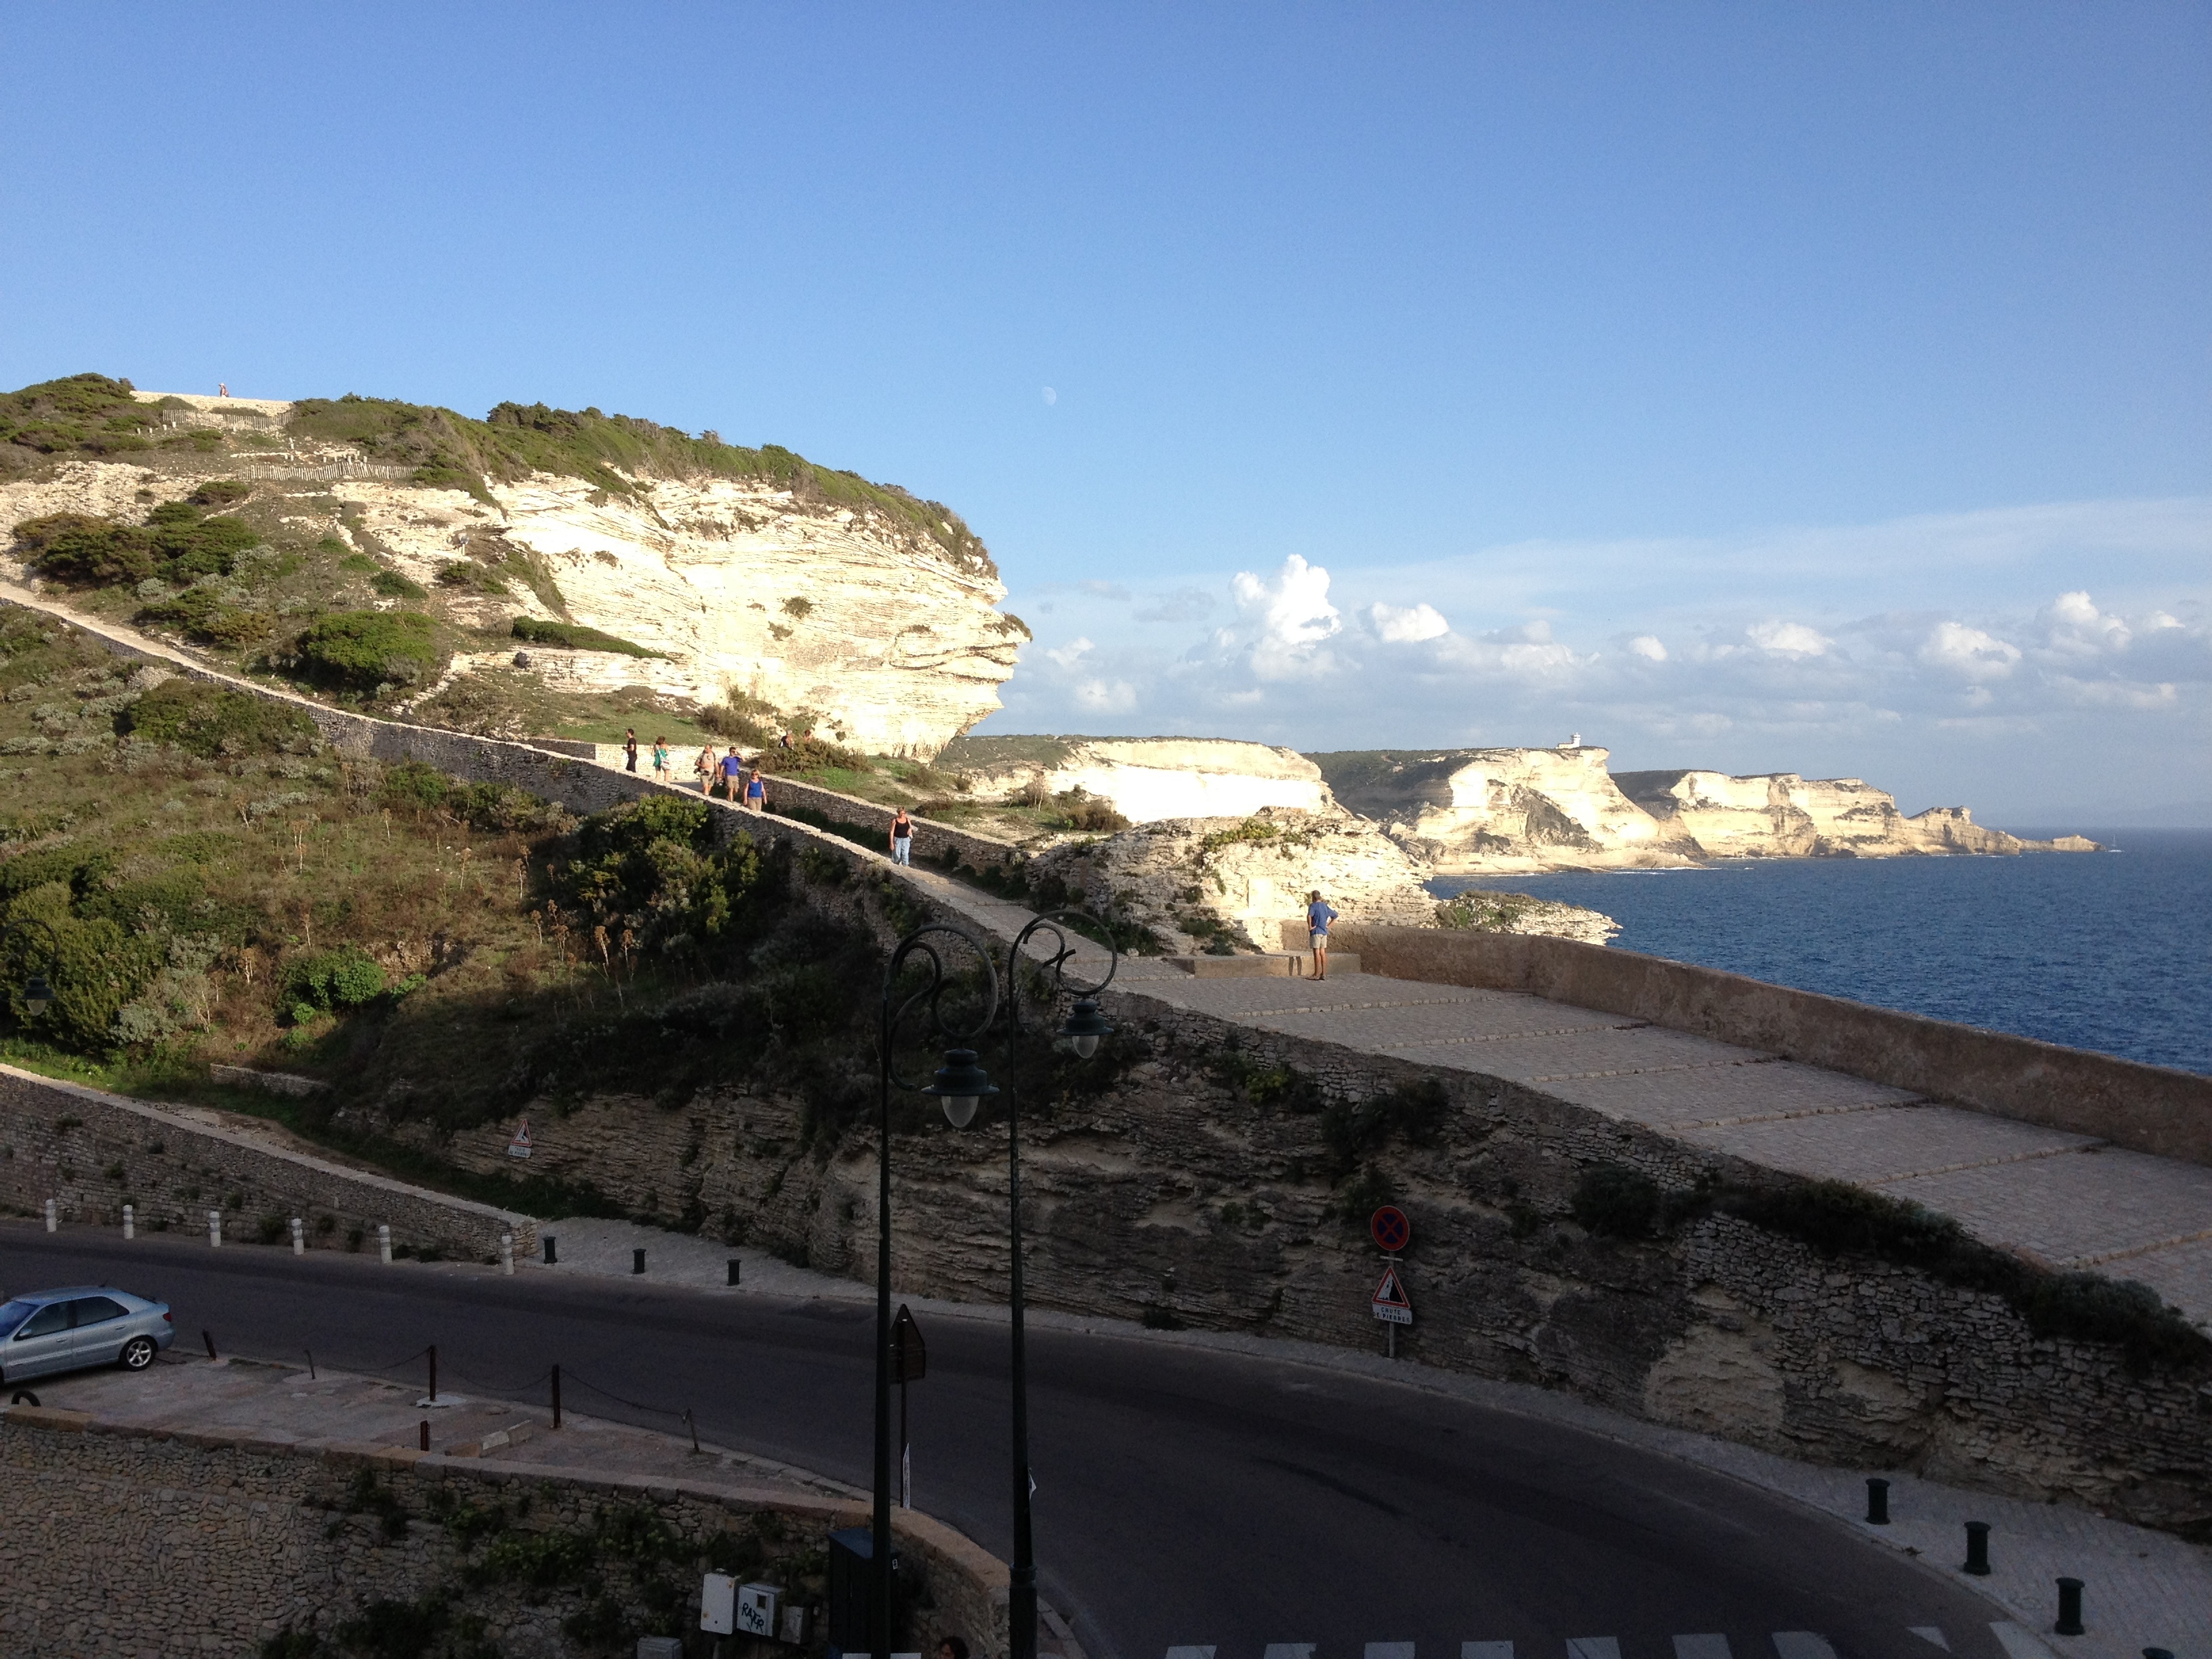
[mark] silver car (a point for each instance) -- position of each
(67, 1330)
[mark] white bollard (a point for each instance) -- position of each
(52, 1221)
(215, 1229)
(384, 1242)
(299, 1237)
(507, 1253)
(130, 1223)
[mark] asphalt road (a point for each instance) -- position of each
(1184, 1495)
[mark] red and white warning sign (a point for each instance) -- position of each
(1391, 1302)
(519, 1146)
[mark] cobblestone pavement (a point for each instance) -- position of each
(2066, 1201)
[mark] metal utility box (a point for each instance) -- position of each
(794, 1626)
(717, 1604)
(852, 1583)
(757, 1605)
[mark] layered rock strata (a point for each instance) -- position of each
(1146, 779)
(1473, 810)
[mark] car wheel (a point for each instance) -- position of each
(137, 1353)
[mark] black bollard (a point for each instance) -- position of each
(2070, 1607)
(1977, 1549)
(208, 1337)
(556, 1396)
(733, 1270)
(434, 1373)
(551, 1255)
(1877, 1503)
(637, 1261)
(425, 1433)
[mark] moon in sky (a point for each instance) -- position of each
(1050, 396)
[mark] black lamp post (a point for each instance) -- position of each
(961, 1085)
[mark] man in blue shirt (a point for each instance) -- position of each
(1318, 917)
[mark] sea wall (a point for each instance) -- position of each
(93, 1152)
(2147, 1109)
(127, 1540)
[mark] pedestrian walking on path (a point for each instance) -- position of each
(661, 769)
(703, 766)
(1318, 917)
(629, 750)
(756, 791)
(734, 775)
(902, 838)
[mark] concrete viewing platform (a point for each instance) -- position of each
(2065, 1200)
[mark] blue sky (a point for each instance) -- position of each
(1820, 388)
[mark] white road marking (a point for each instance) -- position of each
(1701, 1647)
(2019, 1644)
(1801, 1644)
(1599, 1647)
(1932, 1634)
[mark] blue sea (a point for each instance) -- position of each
(2104, 951)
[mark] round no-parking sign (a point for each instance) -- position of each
(1390, 1230)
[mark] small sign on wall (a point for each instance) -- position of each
(519, 1146)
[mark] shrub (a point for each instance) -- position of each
(392, 585)
(468, 572)
(1615, 1202)
(93, 966)
(1252, 829)
(81, 411)
(652, 864)
(1482, 912)
(1079, 809)
(220, 492)
(575, 636)
(1414, 1112)
(811, 754)
(363, 650)
(200, 614)
(331, 980)
(209, 720)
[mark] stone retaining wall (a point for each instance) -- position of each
(2148, 1108)
(94, 1152)
(1200, 1175)
(124, 1540)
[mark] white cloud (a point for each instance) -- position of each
(1071, 653)
(1106, 696)
(2078, 628)
(1285, 622)
(1969, 651)
(1403, 627)
(1789, 639)
(1647, 645)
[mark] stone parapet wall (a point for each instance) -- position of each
(130, 1541)
(94, 1152)
(2147, 1109)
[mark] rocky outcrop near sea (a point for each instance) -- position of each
(1468, 812)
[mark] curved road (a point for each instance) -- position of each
(1186, 1497)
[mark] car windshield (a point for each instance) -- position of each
(14, 1313)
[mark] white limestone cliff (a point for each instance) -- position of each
(1145, 779)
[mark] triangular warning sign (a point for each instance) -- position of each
(1391, 1302)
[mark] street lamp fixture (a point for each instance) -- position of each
(961, 1085)
(38, 995)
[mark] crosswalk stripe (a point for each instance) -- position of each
(2019, 1644)
(1389, 1650)
(1701, 1647)
(1486, 1651)
(1932, 1634)
(1597, 1647)
(1290, 1650)
(1801, 1644)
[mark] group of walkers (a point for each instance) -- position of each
(727, 775)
